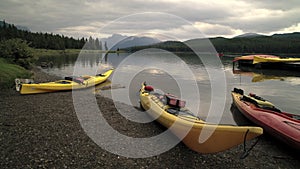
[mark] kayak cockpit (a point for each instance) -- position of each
(171, 104)
(63, 82)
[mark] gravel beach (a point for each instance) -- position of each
(43, 131)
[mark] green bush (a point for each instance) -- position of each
(17, 51)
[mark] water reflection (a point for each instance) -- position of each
(58, 61)
(238, 117)
(260, 75)
(280, 87)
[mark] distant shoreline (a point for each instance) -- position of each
(51, 52)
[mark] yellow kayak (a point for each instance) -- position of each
(251, 57)
(68, 84)
(258, 59)
(190, 128)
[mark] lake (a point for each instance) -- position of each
(204, 83)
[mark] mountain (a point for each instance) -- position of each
(120, 41)
(112, 40)
(248, 35)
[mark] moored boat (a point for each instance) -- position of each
(247, 60)
(68, 83)
(170, 111)
(267, 62)
(282, 125)
(260, 59)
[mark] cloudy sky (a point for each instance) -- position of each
(165, 19)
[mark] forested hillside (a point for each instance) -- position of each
(277, 43)
(40, 40)
(174, 46)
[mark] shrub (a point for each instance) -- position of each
(17, 51)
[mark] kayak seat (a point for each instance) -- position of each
(182, 112)
(64, 82)
(173, 111)
(102, 75)
(75, 79)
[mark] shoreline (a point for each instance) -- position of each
(43, 131)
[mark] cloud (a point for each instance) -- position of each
(293, 28)
(213, 18)
(213, 30)
(278, 4)
(264, 21)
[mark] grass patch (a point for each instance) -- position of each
(8, 73)
(50, 52)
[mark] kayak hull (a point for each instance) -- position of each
(196, 133)
(64, 85)
(259, 59)
(247, 60)
(279, 125)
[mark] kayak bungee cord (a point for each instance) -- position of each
(246, 152)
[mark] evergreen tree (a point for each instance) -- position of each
(38, 39)
(100, 45)
(105, 46)
(97, 44)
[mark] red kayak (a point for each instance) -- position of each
(282, 125)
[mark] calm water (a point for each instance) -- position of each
(169, 72)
